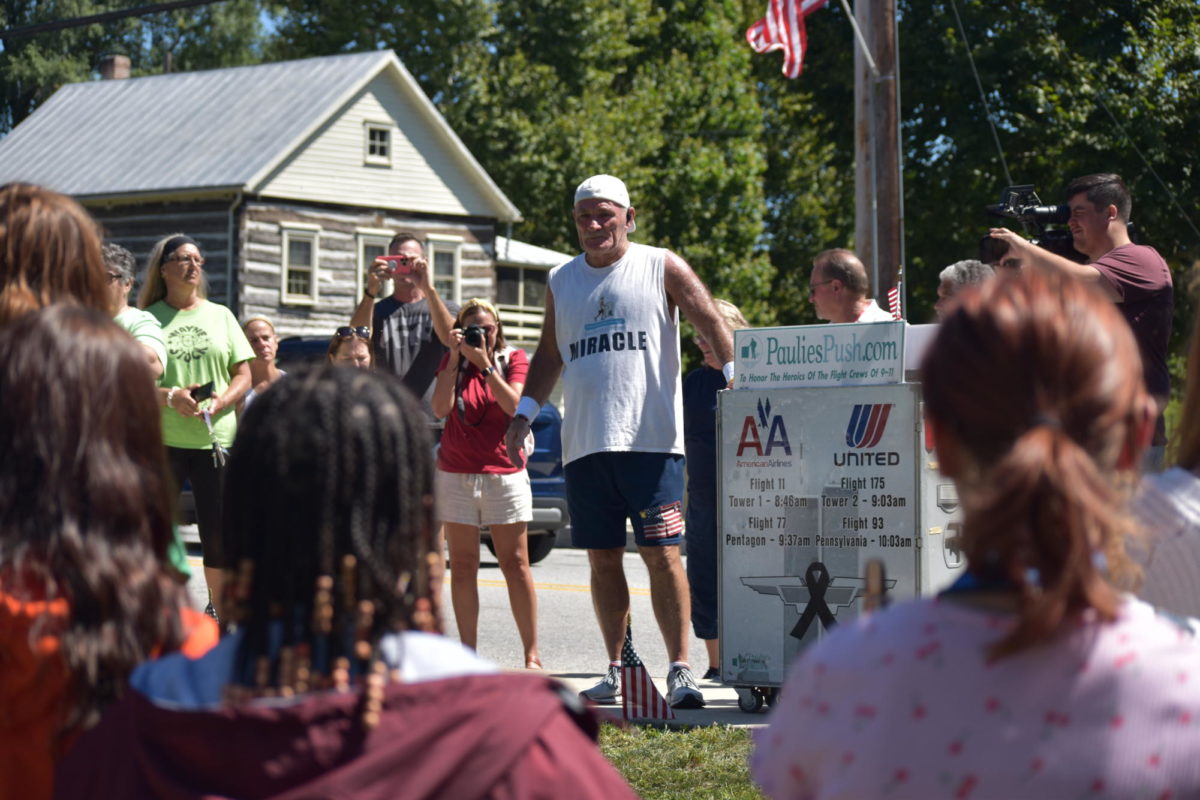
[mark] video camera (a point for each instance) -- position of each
(1022, 204)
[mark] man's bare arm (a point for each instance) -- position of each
(1042, 258)
(365, 312)
(443, 320)
(547, 362)
(689, 293)
(544, 370)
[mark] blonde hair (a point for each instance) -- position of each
(479, 304)
(259, 318)
(155, 288)
(732, 314)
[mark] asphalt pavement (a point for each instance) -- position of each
(569, 638)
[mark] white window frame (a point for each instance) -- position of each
(520, 305)
(440, 243)
(368, 236)
(377, 160)
(290, 231)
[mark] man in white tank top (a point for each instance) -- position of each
(612, 331)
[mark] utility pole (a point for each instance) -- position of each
(879, 216)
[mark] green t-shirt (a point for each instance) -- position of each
(203, 344)
(143, 326)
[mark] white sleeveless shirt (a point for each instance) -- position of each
(619, 341)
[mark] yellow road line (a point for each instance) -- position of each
(197, 563)
(558, 587)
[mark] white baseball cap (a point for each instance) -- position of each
(605, 187)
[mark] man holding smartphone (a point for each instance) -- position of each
(410, 330)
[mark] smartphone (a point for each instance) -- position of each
(202, 392)
(401, 265)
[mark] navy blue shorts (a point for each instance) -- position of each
(605, 489)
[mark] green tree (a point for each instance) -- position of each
(546, 92)
(33, 67)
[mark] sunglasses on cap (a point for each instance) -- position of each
(361, 331)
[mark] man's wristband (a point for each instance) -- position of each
(368, 294)
(727, 370)
(528, 408)
(171, 395)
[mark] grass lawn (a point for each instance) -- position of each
(708, 762)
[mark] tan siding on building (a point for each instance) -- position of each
(424, 174)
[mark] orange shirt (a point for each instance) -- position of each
(33, 686)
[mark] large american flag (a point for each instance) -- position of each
(783, 29)
(639, 698)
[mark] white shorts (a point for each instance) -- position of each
(482, 499)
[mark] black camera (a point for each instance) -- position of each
(1022, 204)
(473, 335)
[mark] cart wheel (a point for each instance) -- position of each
(749, 700)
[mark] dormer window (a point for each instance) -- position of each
(377, 144)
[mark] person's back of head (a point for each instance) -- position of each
(49, 252)
(85, 509)
(329, 517)
(839, 264)
(1032, 387)
(966, 273)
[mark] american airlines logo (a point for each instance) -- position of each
(867, 423)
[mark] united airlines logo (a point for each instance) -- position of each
(867, 423)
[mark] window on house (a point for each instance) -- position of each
(299, 267)
(371, 245)
(445, 259)
(378, 143)
(521, 288)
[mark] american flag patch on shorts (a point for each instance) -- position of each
(662, 522)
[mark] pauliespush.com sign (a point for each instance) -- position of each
(853, 354)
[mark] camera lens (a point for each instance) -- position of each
(473, 335)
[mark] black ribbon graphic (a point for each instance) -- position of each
(816, 580)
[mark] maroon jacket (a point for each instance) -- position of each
(481, 736)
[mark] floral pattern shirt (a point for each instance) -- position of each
(904, 703)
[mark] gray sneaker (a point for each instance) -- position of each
(682, 691)
(608, 690)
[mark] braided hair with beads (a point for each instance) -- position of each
(330, 522)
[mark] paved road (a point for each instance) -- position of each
(570, 638)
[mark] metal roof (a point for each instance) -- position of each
(195, 131)
(511, 251)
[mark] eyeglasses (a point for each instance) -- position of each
(812, 286)
(361, 331)
(114, 276)
(197, 260)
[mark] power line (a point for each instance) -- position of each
(107, 16)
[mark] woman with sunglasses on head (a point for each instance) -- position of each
(1034, 675)
(207, 372)
(351, 347)
(478, 387)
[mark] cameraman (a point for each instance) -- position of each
(1133, 276)
(478, 386)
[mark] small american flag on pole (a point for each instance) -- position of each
(639, 698)
(783, 29)
(894, 301)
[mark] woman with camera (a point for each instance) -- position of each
(478, 387)
(207, 372)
